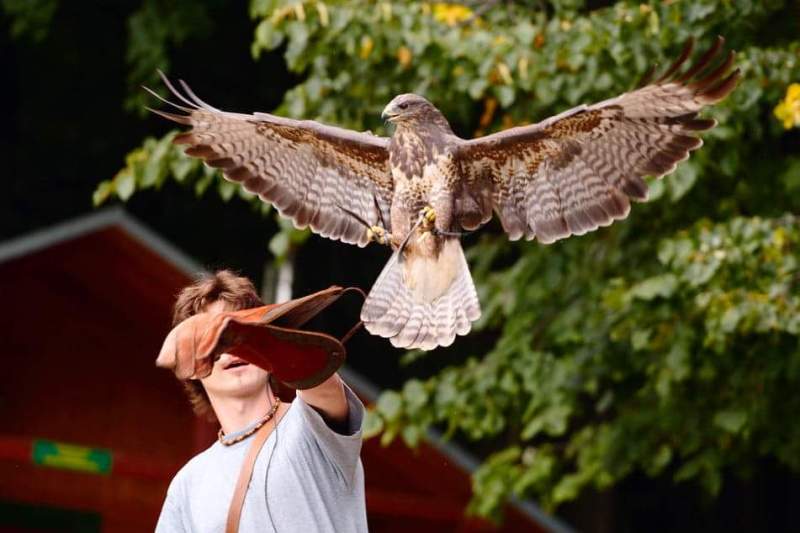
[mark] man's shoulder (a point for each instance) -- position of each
(196, 464)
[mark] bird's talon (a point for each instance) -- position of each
(429, 214)
(377, 234)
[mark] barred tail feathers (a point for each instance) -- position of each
(423, 302)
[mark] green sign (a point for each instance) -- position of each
(71, 457)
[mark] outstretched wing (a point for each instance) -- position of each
(576, 171)
(331, 179)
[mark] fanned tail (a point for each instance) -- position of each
(422, 303)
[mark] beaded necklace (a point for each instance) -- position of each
(253, 429)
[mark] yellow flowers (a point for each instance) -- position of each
(779, 237)
(522, 67)
(404, 56)
(501, 75)
(788, 111)
(451, 14)
(489, 107)
(500, 40)
(386, 11)
(366, 47)
(297, 10)
(504, 73)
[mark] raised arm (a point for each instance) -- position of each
(329, 399)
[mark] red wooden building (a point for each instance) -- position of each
(91, 432)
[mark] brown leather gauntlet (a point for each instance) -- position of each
(268, 337)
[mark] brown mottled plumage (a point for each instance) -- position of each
(566, 175)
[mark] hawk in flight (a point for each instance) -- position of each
(419, 189)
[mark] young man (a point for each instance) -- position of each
(308, 476)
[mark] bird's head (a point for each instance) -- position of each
(408, 108)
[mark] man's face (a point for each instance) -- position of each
(232, 377)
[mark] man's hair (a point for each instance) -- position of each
(237, 292)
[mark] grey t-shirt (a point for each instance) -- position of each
(315, 483)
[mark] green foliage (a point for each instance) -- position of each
(667, 344)
(687, 371)
(157, 160)
(30, 18)
(148, 166)
(614, 353)
(288, 239)
(514, 55)
(152, 30)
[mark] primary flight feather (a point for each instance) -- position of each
(417, 190)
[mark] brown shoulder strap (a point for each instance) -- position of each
(237, 502)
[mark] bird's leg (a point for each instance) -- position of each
(374, 232)
(427, 219)
(378, 232)
(379, 211)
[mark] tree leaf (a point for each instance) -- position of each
(731, 420)
(663, 286)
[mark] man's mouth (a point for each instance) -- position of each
(235, 363)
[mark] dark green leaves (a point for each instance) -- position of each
(667, 343)
(30, 18)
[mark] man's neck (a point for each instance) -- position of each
(235, 414)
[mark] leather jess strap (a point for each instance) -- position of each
(358, 324)
(245, 475)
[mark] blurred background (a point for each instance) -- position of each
(640, 378)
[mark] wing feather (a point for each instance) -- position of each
(309, 171)
(576, 171)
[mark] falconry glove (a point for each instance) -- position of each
(268, 337)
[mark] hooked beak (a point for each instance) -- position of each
(388, 113)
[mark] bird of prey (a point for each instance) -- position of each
(420, 189)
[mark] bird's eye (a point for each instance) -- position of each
(403, 105)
